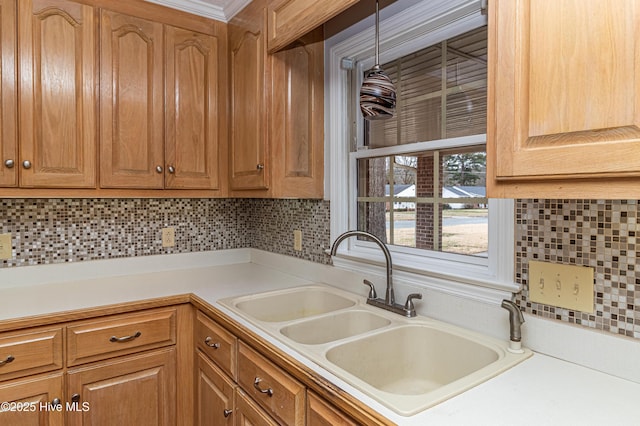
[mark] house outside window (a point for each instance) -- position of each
(417, 181)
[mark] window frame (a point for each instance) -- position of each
(403, 31)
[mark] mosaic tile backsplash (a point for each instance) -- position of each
(69, 230)
(596, 233)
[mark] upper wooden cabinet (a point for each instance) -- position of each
(277, 112)
(196, 118)
(57, 63)
(249, 137)
(142, 88)
(291, 19)
(8, 95)
(297, 112)
(131, 102)
(163, 106)
(564, 99)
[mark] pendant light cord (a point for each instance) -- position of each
(377, 34)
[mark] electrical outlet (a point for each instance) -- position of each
(297, 240)
(566, 286)
(5, 246)
(168, 237)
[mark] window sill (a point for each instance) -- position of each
(474, 282)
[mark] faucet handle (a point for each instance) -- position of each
(408, 306)
(372, 289)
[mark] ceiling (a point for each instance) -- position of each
(221, 10)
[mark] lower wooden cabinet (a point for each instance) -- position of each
(321, 413)
(118, 370)
(263, 394)
(32, 401)
(135, 390)
(215, 394)
(183, 368)
(249, 414)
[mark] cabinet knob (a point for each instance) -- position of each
(75, 397)
(159, 169)
(260, 166)
(171, 169)
(9, 164)
(56, 402)
(26, 164)
(227, 413)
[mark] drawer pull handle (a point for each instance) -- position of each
(115, 339)
(7, 360)
(227, 413)
(207, 342)
(256, 384)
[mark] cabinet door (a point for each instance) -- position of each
(136, 390)
(249, 132)
(215, 394)
(249, 414)
(57, 67)
(37, 395)
(564, 96)
(8, 124)
(297, 126)
(291, 19)
(131, 102)
(195, 108)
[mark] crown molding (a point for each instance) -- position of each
(223, 12)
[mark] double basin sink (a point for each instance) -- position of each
(406, 364)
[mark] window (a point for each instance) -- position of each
(431, 199)
(417, 181)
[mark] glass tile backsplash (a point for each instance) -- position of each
(596, 233)
(72, 230)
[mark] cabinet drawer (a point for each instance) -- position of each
(321, 413)
(217, 343)
(277, 392)
(30, 351)
(119, 335)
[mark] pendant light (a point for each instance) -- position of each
(377, 94)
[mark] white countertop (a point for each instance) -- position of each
(540, 391)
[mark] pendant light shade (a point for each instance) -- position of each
(377, 94)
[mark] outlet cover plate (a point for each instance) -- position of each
(566, 286)
(297, 240)
(168, 237)
(5, 246)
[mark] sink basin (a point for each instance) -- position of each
(413, 367)
(334, 327)
(407, 365)
(291, 304)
